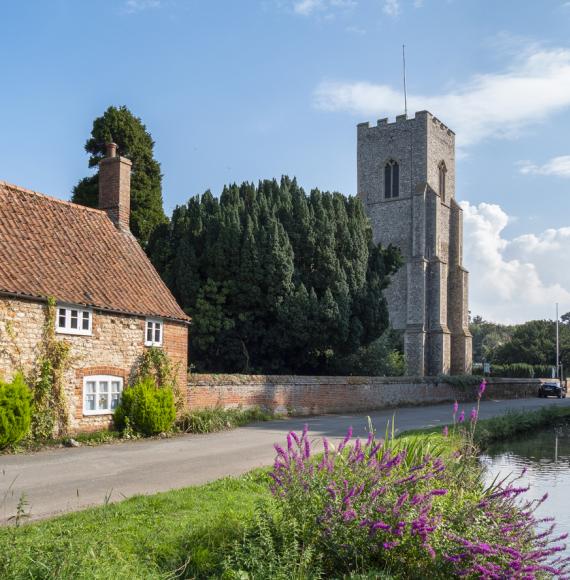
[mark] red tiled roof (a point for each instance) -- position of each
(50, 247)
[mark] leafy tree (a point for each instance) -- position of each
(119, 125)
(533, 342)
(277, 280)
(487, 338)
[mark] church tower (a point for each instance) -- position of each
(406, 181)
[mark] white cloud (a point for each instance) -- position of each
(356, 30)
(132, 6)
(307, 7)
(559, 166)
(536, 86)
(310, 7)
(518, 279)
(391, 7)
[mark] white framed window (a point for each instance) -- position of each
(101, 394)
(74, 320)
(153, 332)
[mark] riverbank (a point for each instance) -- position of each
(185, 532)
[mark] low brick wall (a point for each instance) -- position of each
(307, 395)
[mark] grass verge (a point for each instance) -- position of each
(218, 419)
(514, 423)
(166, 535)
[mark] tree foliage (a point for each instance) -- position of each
(533, 342)
(119, 125)
(276, 280)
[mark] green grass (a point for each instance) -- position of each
(506, 426)
(514, 423)
(183, 533)
(144, 537)
(218, 419)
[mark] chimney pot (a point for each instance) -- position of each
(111, 149)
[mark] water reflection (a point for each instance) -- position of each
(546, 456)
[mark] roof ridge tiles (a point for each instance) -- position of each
(27, 191)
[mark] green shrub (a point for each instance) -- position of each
(15, 410)
(146, 408)
(219, 419)
(543, 371)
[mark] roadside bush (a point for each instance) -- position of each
(515, 370)
(146, 408)
(366, 507)
(542, 371)
(15, 410)
(219, 419)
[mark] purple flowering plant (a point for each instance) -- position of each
(409, 506)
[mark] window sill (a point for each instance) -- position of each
(97, 413)
(73, 332)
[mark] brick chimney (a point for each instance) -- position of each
(115, 187)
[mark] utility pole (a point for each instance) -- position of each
(557, 346)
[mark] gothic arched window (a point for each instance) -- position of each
(391, 179)
(442, 175)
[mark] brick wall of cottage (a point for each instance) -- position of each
(310, 395)
(114, 348)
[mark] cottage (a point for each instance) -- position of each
(111, 304)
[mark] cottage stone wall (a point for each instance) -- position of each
(310, 395)
(115, 347)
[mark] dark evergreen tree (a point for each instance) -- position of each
(135, 142)
(278, 281)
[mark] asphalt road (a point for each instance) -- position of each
(62, 480)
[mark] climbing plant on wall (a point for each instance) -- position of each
(50, 411)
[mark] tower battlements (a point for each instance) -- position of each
(400, 119)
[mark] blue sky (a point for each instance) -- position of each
(242, 90)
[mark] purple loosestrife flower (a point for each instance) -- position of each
(461, 417)
(455, 408)
(445, 431)
(349, 515)
(482, 388)
(473, 415)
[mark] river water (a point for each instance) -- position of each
(546, 456)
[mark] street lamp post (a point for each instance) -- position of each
(557, 346)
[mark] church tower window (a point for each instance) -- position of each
(391, 179)
(442, 176)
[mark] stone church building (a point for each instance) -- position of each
(406, 180)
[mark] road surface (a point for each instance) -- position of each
(61, 480)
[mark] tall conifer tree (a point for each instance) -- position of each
(119, 125)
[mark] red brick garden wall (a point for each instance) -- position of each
(314, 395)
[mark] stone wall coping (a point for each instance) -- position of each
(239, 379)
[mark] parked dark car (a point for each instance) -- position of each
(552, 389)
